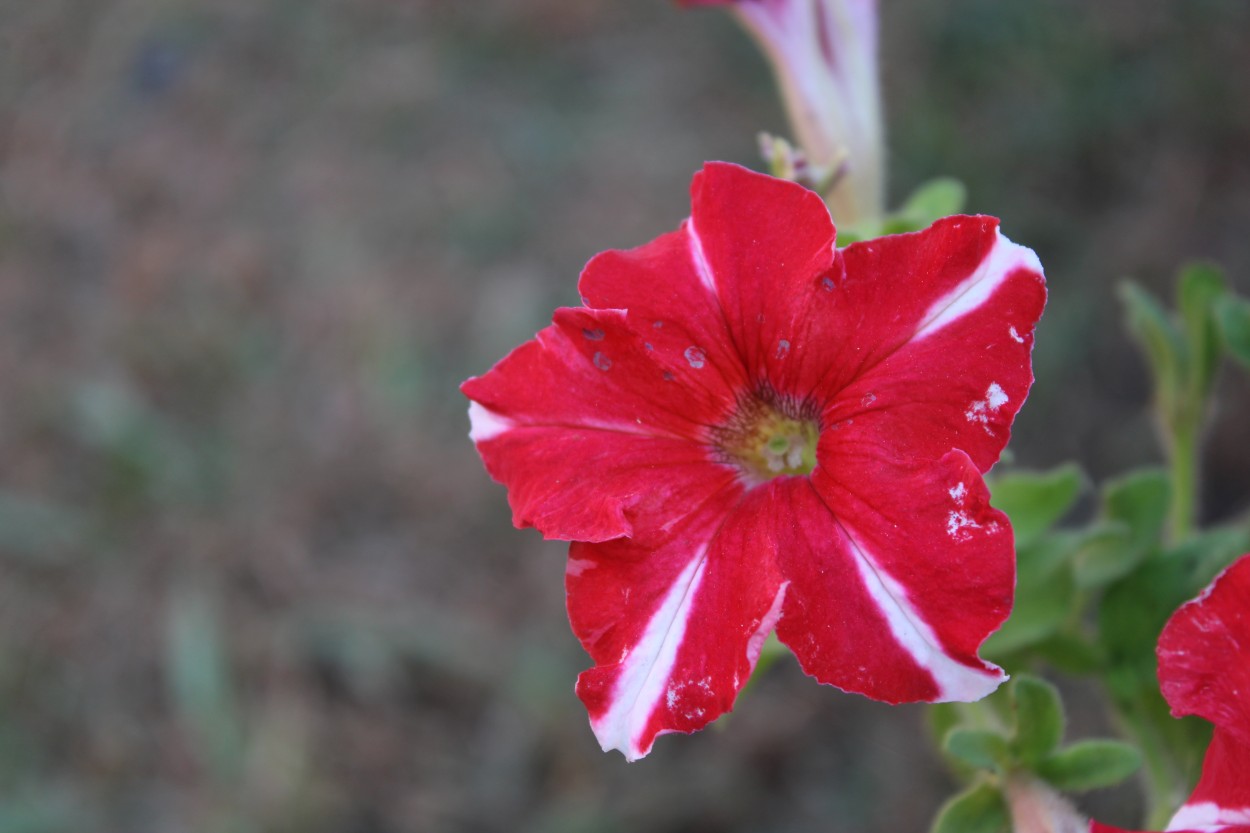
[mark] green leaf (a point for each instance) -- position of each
(978, 809)
(1233, 315)
(1131, 615)
(1106, 553)
(1140, 500)
(942, 718)
(1039, 718)
(978, 747)
(1211, 550)
(1071, 654)
(1148, 321)
(935, 199)
(1090, 764)
(1201, 286)
(1047, 604)
(1035, 501)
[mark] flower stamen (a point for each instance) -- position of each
(767, 437)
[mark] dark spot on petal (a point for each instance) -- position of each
(602, 362)
(594, 335)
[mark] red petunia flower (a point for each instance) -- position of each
(1204, 669)
(746, 428)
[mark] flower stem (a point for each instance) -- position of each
(1036, 808)
(1183, 466)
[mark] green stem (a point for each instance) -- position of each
(1183, 465)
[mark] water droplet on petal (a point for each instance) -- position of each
(594, 335)
(647, 344)
(602, 362)
(826, 283)
(696, 357)
(783, 347)
(668, 377)
(868, 399)
(658, 324)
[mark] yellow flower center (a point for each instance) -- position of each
(769, 438)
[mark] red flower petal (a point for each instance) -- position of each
(924, 338)
(1204, 669)
(920, 567)
(587, 402)
(670, 429)
(577, 484)
(1204, 654)
(1221, 801)
(948, 366)
(671, 309)
(674, 620)
(763, 243)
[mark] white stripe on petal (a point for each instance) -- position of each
(1208, 816)
(1003, 258)
(756, 644)
(485, 424)
(700, 258)
(645, 670)
(955, 681)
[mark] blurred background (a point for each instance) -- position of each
(252, 574)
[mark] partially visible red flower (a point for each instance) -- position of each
(824, 55)
(1204, 670)
(745, 428)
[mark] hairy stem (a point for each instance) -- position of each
(1036, 808)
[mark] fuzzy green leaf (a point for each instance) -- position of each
(978, 809)
(1140, 500)
(1150, 324)
(1132, 614)
(1036, 616)
(1106, 553)
(935, 199)
(1201, 286)
(1039, 718)
(978, 747)
(1041, 611)
(1090, 764)
(1035, 501)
